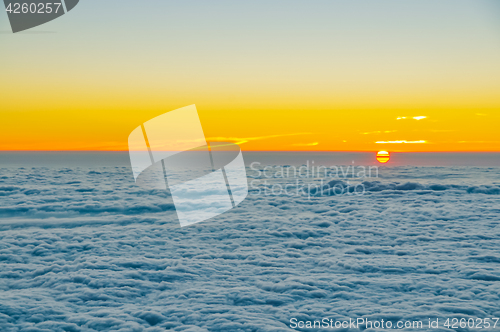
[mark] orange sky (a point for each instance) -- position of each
(299, 79)
(312, 130)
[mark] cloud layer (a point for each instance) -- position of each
(86, 250)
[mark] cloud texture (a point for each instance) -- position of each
(86, 250)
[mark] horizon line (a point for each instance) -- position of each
(310, 151)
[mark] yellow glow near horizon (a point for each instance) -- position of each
(297, 80)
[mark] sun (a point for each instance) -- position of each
(383, 157)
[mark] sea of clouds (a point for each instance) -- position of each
(85, 249)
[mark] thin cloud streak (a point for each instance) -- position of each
(306, 144)
(243, 140)
(401, 142)
(420, 117)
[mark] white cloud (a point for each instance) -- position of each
(421, 117)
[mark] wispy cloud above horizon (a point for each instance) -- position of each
(401, 142)
(305, 144)
(420, 117)
(243, 140)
